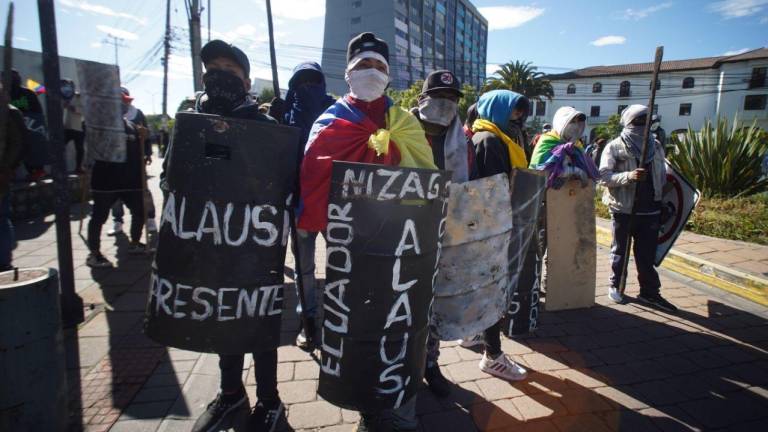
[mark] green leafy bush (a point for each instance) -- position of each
(722, 160)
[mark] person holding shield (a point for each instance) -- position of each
(624, 176)
(226, 84)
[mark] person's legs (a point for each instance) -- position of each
(265, 372)
(101, 204)
(118, 212)
(6, 233)
(231, 368)
(493, 340)
(135, 203)
(646, 235)
(402, 418)
(620, 228)
(231, 395)
(79, 138)
(306, 252)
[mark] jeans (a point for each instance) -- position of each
(265, 368)
(645, 232)
(7, 237)
(306, 253)
(102, 202)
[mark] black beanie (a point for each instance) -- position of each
(367, 42)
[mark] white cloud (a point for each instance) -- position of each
(96, 45)
(738, 8)
(609, 40)
(638, 14)
(179, 68)
(490, 69)
(122, 34)
(20, 39)
(296, 9)
(736, 52)
(505, 17)
(98, 9)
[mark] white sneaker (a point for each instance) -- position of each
(116, 229)
(151, 225)
(615, 295)
(503, 367)
(475, 340)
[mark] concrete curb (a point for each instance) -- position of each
(734, 281)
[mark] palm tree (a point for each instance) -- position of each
(523, 78)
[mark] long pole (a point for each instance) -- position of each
(166, 54)
(209, 20)
(194, 39)
(275, 84)
(644, 153)
(71, 303)
(5, 97)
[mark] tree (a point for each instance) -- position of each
(408, 98)
(266, 95)
(609, 130)
(523, 78)
(470, 97)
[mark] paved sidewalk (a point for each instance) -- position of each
(610, 367)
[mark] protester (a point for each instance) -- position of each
(72, 106)
(500, 146)
(363, 126)
(634, 186)
(661, 134)
(226, 86)
(135, 116)
(439, 116)
(544, 129)
(305, 101)
(113, 181)
(36, 151)
(9, 160)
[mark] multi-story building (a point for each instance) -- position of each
(689, 91)
(423, 35)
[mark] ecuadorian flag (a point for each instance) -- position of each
(35, 86)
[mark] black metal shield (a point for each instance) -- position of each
(217, 280)
(385, 225)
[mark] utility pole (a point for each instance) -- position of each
(166, 54)
(118, 43)
(71, 303)
(209, 20)
(194, 41)
(275, 84)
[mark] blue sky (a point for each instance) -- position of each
(553, 34)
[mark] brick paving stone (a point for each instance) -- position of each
(500, 415)
(339, 428)
(305, 370)
(671, 419)
(580, 401)
(464, 394)
(448, 356)
(541, 362)
(581, 423)
(584, 378)
(349, 416)
(494, 389)
(292, 392)
(537, 406)
(313, 414)
(465, 371)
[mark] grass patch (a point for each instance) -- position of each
(744, 219)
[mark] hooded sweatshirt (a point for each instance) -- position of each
(551, 139)
(499, 145)
(305, 103)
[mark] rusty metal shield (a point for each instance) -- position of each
(472, 286)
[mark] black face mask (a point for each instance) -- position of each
(225, 92)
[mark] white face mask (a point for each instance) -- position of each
(367, 84)
(438, 111)
(572, 132)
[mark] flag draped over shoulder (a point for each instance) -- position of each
(344, 133)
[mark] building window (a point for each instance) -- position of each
(597, 88)
(758, 78)
(594, 111)
(621, 108)
(571, 89)
(356, 4)
(689, 82)
(355, 20)
(685, 109)
(658, 84)
(755, 102)
(541, 109)
(625, 89)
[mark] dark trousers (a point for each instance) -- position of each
(265, 368)
(77, 137)
(492, 336)
(102, 203)
(645, 232)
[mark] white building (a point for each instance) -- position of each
(690, 91)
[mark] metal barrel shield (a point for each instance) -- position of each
(527, 191)
(382, 245)
(471, 292)
(678, 200)
(105, 131)
(217, 278)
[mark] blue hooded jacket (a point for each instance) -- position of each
(497, 105)
(304, 104)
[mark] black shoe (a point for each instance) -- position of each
(657, 301)
(266, 417)
(437, 382)
(218, 411)
(306, 337)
